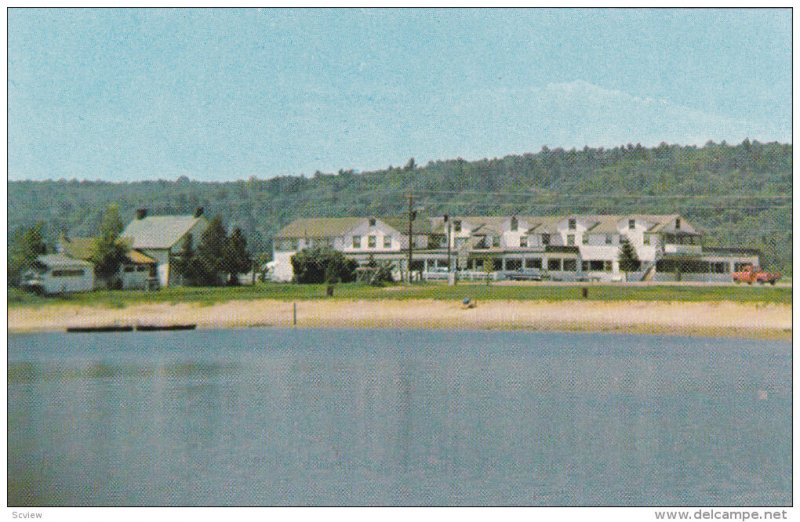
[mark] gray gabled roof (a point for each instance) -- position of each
(159, 231)
(60, 260)
(319, 227)
(420, 226)
(543, 224)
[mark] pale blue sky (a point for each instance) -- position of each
(227, 94)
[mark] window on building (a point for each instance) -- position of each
(372, 241)
(608, 239)
(585, 239)
(372, 222)
(677, 223)
(523, 241)
(719, 267)
(554, 264)
(570, 265)
(608, 266)
(596, 266)
(513, 264)
(495, 241)
(631, 224)
(571, 223)
(68, 273)
(545, 239)
(128, 269)
(514, 224)
(457, 225)
(571, 239)
(356, 241)
(387, 241)
(535, 262)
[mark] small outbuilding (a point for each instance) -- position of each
(59, 274)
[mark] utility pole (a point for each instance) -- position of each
(447, 220)
(410, 234)
(449, 255)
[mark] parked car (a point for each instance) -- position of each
(530, 274)
(752, 274)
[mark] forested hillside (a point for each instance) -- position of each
(739, 195)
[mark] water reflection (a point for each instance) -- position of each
(276, 417)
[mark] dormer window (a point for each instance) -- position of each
(545, 239)
(572, 223)
(514, 224)
(457, 225)
(677, 223)
(372, 222)
(631, 224)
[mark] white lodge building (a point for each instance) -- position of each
(567, 248)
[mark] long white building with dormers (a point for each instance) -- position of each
(574, 247)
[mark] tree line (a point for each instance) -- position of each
(551, 181)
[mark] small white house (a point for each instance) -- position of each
(59, 274)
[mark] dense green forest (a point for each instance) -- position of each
(740, 195)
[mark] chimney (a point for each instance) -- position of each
(198, 212)
(141, 213)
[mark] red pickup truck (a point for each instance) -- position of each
(751, 274)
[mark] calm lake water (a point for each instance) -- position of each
(383, 417)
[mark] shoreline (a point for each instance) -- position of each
(715, 319)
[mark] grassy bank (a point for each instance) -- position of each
(476, 291)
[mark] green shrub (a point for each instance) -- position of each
(323, 265)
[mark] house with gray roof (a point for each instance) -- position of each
(563, 247)
(160, 238)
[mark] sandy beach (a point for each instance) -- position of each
(694, 318)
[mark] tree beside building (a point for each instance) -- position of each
(25, 247)
(109, 251)
(628, 260)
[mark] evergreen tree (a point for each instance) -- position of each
(185, 263)
(109, 251)
(237, 259)
(628, 260)
(26, 245)
(210, 258)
